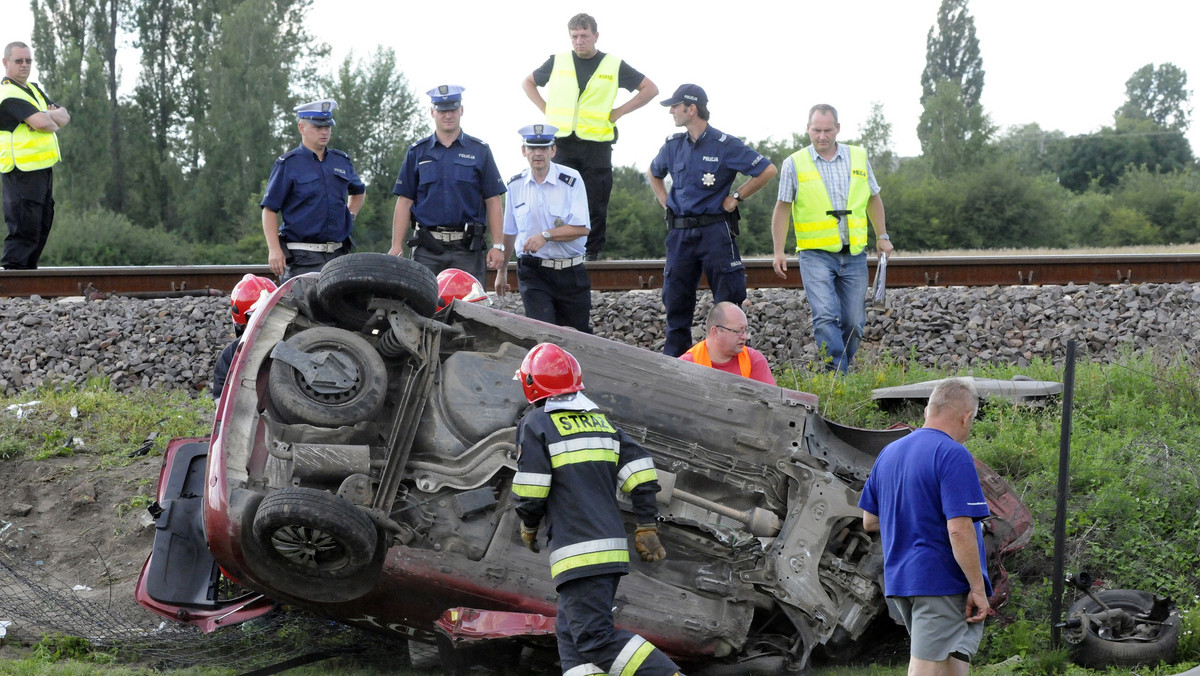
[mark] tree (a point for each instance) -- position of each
(953, 134)
(378, 118)
(1102, 158)
(953, 127)
(877, 139)
(952, 54)
(259, 58)
(1159, 95)
(1034, 149)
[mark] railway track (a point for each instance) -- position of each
(914, 271)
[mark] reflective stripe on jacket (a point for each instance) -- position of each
(26, 148)
(700, 356)
(587, 114)
(815, 229)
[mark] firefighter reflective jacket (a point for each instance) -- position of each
(570, 465)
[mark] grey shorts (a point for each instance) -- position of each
(937, 626)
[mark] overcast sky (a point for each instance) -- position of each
(1060, 63)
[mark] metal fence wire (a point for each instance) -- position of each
(35, 604)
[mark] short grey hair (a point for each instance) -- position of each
(822, 108)
(11, 46)
(958, 394)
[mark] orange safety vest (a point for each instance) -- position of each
(700, 356)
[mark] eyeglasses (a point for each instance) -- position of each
(743, 332)
(27, 62)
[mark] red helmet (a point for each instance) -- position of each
(549, 370)
(454, 283)
(246, 295)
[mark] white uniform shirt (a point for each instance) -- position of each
(531, 208)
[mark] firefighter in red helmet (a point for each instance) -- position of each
(571, 457)
(243, 301)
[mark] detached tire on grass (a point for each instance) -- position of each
(315, 534)
(1097, 652)
(349, 283)
(298, 402)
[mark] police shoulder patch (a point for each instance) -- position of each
(567, 178)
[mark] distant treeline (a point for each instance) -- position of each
(173, 171)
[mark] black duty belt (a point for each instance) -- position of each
(683, 222)
(838, 213)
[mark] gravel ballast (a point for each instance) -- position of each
(173, 343)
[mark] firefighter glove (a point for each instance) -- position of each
(645, 541)
(529, 537)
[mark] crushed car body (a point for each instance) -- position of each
(363, 452)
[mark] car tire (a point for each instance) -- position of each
(349, 283)
(1098, 653)
(297, 402)
(315, 533)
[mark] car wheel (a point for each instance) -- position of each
(315, 533)
(359, 395)
(349, 283)
(1097, 651)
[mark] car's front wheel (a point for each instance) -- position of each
(344, 381)
(1129, 638)
(315, 533)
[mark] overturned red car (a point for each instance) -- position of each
(361, 463)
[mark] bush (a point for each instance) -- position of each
(100, 237)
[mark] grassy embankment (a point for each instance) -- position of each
(1132, 519)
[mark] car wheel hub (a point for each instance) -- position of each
(309, 547)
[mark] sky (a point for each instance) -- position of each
(1060, 63)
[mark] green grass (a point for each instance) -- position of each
(1132, 519)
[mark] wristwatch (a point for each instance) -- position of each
(546, 235)
(737, 196)
(499, 246)
(884, 236)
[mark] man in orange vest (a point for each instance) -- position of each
(28, 150)
(724, 347)
(581, 87)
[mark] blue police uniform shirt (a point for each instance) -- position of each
(531, 208)
(310, 195)
(918, 483)
(449, 184)
(702, 172)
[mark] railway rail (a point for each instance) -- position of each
(912, 271)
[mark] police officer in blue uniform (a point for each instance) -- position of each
(702, 216)
(546, 222)
(449, 189)
(308, 187)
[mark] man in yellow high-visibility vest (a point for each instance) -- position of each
(581, 87)
(28, 150)
(828, 192)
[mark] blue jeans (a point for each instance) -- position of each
(836, 286)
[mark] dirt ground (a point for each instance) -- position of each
(79, 524)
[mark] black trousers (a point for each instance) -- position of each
(593, 161)
(585, 631)
(29, 213)
(562, 297)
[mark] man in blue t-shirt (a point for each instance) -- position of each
(923, 496)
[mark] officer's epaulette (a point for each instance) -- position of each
(676, 135)
(566, 178)
(723, 137)
(472, 138)
(516, 178)
(288, 154)
(335, 151)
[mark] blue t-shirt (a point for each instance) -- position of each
(310, 195)
(702, 172)
(448, 185)
(919, 483)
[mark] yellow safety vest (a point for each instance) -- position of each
(587, 114)
(816, 229)
(26, 148)
(700, 356)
